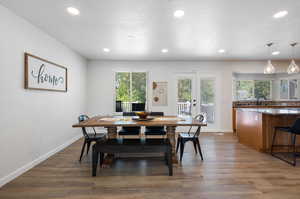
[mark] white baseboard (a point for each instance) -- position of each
(35, 162)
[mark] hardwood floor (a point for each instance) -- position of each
(229, 170)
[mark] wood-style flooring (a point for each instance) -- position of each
(229, 171)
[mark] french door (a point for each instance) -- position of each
(196, 93)
(186, 98)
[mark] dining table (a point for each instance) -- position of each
(111, 123)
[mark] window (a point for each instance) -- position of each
(184, 96)
(262, 89)
(244, 89)
(293, 92)
(131, 91)
(289, 89)
(284, 90)
(253, 89)
(207, 100)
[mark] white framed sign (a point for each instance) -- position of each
(41, 74)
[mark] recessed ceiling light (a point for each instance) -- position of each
(275, 53)
(131, 36)
(179, 13)
(221, 51)
(73, 11)
(164, 50)
(280, 14)
(106, 50)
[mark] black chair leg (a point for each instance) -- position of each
(101, 159)
(88, 147)
(294, 150)
(199, 148)
(273, 141)
(181, 149)
(195, 147)
(177, 146)
(82, 150)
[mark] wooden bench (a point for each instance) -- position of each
(112, 146)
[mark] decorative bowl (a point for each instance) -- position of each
(142, 115)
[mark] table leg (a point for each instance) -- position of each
(95, 159)
(111, 134)
(171, 136)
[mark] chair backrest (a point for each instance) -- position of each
(82, 118)
(119, 106)
(156, 113)
(138, 106)
(129, 114)
(131, 127)
(295, 128)
(200, 118)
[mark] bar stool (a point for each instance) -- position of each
(294, 130)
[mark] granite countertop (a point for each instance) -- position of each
(274, 111)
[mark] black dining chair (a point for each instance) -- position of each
(119, 106)
(294, 130)
(138, 106)
(155, 130)
(190, 136)
(89, 137)
(132, 130)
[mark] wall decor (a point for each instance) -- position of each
(41, 74)
(160, 93)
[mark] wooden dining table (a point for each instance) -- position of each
(170, 122)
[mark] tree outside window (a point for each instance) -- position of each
(253, 89)
(130, 88)
(184, 90)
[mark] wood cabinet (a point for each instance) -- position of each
(263, 104)
(255, 129)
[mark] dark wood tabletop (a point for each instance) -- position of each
(114, 121)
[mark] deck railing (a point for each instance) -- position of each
(183, 108)
(126, 106)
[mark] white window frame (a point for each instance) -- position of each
(288, 81)
(252, 93)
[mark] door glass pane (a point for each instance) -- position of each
(184, 96)
(293, 89)
(207, 101)
(284, 89)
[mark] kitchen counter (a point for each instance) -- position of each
(255, 126)
(273, 111)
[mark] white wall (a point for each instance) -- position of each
(101, 83)
(34, 124)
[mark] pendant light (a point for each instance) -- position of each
(293, 67)
(269, 69)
